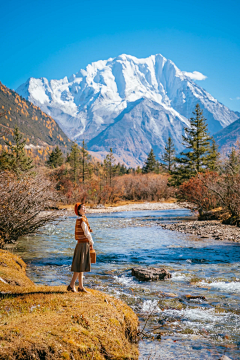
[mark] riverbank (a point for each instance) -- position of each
(47, 322)
(199, 267)
(206, 229)
(131, 206)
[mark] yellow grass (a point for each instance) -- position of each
(44, 322)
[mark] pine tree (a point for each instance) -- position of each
(109, 166)
(213, 156)
(151, 164)
(232, 165)
(138, 170)
(16, 159)
(196, 157)
(74, 160)
(85, 166)
(169, 156)
(55, 158)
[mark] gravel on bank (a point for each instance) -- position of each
(207, 229)
(136, 207)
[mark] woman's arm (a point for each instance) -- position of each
(87, 233)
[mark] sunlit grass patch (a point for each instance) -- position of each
(43, 322)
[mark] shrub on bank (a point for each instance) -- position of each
(133, 187)
(24, 205)
(212, 190)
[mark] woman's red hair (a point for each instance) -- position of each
(76, 208)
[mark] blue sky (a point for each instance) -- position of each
(54, 39)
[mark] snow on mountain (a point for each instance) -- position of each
(126, 103)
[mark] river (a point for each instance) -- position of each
(179, 328)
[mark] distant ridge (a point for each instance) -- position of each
(40, 129)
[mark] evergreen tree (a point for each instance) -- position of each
(55, 158)
(232, 165)
(151, 164)
(138, 170)
(85, 166)
(110, 168)
(74, 160)
(16, 159)
(213, 156)
(169, 156)
(120, 169)
(196, 157)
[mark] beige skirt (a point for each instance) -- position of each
(81, 258)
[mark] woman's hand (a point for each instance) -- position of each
(91, 247)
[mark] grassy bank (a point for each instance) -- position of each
(44, 322)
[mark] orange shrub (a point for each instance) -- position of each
(196, 190)
(149, 187)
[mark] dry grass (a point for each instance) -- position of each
(43, 322)
(12, 271)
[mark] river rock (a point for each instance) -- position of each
(224, 357)
(194, 297)
(151, 274)
(164, 294)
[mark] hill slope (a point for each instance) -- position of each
(227, 137)
(40, 130)
(155, 97)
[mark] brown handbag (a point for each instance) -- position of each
(93, 256)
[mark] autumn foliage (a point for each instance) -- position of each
(134, 187)
(210, 190)
(197, 191)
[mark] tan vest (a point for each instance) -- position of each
(79, 233)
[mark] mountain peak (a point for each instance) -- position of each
(108, 98)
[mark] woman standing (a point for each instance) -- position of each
(81, 259)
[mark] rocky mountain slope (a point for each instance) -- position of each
(126, 103)
(40, 130)
(227, 137)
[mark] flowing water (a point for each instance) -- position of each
(205, 327)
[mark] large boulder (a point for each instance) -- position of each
(151, 274)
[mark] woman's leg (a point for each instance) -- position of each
(81, 280)
(81, 288)
(74, 278)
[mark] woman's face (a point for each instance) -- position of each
(82, 210)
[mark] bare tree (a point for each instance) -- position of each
(24, 205)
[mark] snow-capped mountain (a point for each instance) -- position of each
(126, 103)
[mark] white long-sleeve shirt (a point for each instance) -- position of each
(87, 233)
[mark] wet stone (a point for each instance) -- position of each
(164, 294)
(151, 274)
(194, 297)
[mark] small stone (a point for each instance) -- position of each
(224, 357)
(151, 274)
(192, 297)
(164, 294)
